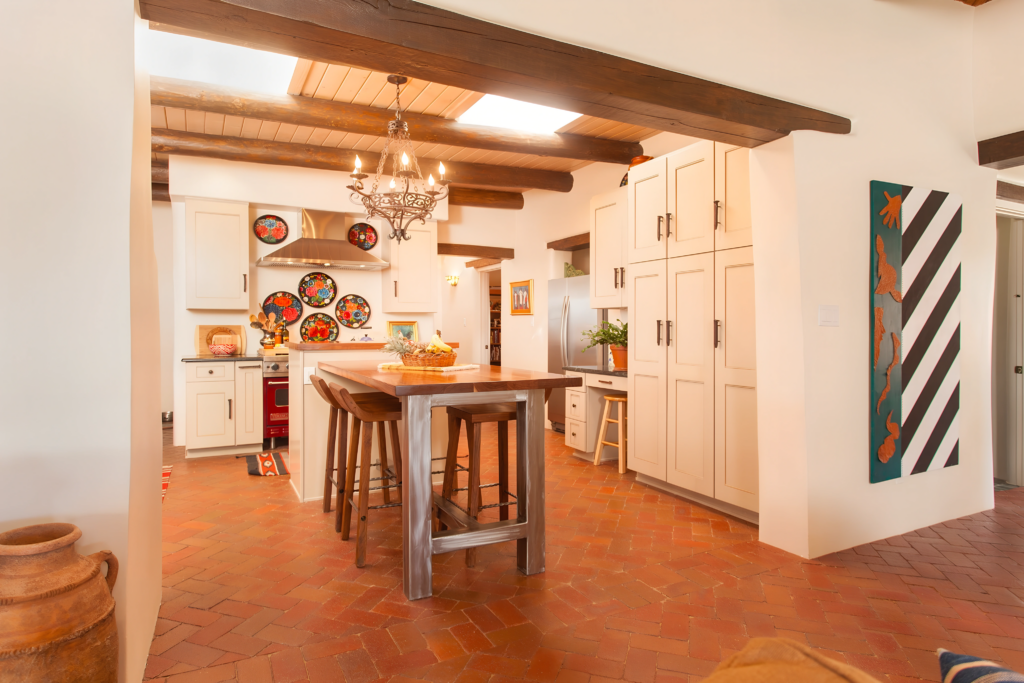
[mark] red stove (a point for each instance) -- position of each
(275, 397)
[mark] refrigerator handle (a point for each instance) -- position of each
(565, 331)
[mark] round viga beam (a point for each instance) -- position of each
(357, 118)
(487, 199)
(168, 141)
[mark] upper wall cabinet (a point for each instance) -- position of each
(692, 201)
(410, 282)
(607, 249)
(216, 255)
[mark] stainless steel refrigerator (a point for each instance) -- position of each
(569, 314)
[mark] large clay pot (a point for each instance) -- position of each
(56, 614)
(620, 357)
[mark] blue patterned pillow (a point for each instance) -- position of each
(966, 669)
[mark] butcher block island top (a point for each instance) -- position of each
(412, 382)
(342, 346)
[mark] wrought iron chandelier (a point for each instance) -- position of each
(408, 198)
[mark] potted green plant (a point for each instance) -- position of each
(615, 336)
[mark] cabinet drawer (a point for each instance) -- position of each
(606, 382)
(576, 434)
(209, 372)
(576, 406)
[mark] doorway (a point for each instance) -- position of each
(490, 282)
(1008, 354)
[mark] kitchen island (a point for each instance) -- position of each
(308, 413)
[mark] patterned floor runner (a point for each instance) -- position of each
(266, 464)
(165, 480)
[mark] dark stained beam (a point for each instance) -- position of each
(313, 156)
(483, 262)
(1005, 151)
(161, 174)
(161, 192)
(487, 199)
(406, 37)
(574, 243)
(356, 118)
(500, 253)
(1009, 192)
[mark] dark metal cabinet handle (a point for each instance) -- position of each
(247, 367)
(659, 333)
(661, 219)
(718, 325)
(603, 381)
(668, 333)
(718, 210)
(229, 408)
(396, 287)
(616, 278)
(668, 225)
(245, 282)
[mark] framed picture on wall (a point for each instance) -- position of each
(521, 297)
(410, 330)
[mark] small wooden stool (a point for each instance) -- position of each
(609, 399)
(385, 414)
(475, 416)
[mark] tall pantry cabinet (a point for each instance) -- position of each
(690, 289)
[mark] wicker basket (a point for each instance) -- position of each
(429, 360)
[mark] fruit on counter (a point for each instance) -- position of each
(438, 346)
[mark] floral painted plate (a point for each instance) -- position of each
(270, 229)
(317, 290)
(363, 235)
(319, 327)
(285, 305)
(353, 311)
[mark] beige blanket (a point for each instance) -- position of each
(779, 660)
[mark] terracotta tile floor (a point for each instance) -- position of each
(640, 586)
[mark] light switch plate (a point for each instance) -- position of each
(828, 316)
(306, 373)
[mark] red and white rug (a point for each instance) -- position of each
(266, 464)
(165, 480)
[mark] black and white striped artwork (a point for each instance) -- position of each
(915, 330)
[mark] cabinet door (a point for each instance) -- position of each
(248, 411)
(645, 226)
(209, 414)
(216, 255)
(410, 283)
(736, 464)
(691, 373)
(607, 225)
(690, 221)
(646, 385)
(732, 192)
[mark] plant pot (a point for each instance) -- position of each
(56, 612)
(620, 357)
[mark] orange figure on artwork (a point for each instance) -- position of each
(888, 447)
(888, 372)
(879, 332)
(886, 273)
(890, 213)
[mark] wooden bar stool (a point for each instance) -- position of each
(475, 416)
(609, 399)
(385, 414)
(337, 434)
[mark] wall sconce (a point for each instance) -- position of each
(452, 280)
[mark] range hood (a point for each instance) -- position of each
(324, 244)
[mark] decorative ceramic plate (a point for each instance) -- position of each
(363, 235)
(285, 305)
(353, 311)
(317, 290)
(319, 327)
(270, 229)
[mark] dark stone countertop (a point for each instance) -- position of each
(221, 359)
(596, 370)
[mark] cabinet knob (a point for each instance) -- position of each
(210, 371)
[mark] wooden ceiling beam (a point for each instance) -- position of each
(161, 192)
(160, 171)
(312, 156)
(356, 118)
(501, 253)
(487, 199)
(406, 37)
(1005, 151)
(1009, 192)
(574, 243)
(483, 262)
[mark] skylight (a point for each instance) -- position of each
(501, 112)
(194, 59)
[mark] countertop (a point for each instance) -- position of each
(413, 382)
(220, 359)
(341, 346)
(593, 369)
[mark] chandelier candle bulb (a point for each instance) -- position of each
(430, 181)
(440, 168)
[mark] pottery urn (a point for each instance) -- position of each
(56, 613)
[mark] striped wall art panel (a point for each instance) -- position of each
(915, 330)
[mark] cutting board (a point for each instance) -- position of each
(205, 333)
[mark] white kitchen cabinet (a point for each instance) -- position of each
(410, 281)
(608, 249)
(209, 414)
(692, 201)
(646, 383)
(216, 255)
(249, 403)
